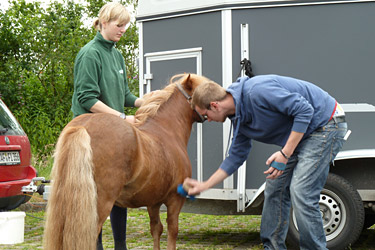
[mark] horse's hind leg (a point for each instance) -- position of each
(104, 205)
(173, 210)
(155, 224)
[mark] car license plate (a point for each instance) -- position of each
(10, 158)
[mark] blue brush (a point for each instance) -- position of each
(181, 191)
(278, 165)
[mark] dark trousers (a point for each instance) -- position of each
(118, 222)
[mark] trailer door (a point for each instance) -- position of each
(156, 77)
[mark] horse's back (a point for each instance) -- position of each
(113, 142)
(140, 163)
(105, 128)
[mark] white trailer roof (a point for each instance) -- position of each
(154, 9)
(148, 8)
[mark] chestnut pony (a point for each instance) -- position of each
(101, 160)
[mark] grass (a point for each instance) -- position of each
(195, 232)
(43, 163)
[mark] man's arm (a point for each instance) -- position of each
(196, 187)
(291, 144)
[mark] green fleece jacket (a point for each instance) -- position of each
(100, 74)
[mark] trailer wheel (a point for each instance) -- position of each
(342, 213)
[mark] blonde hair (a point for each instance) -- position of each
(112, 12)
(206, 93)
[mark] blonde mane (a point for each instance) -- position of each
(153, 101)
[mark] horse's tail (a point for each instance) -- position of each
(71, 220)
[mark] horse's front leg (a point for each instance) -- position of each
(155, 224)
(174, 206)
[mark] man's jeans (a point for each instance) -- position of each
(301, 184)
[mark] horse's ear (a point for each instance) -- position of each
(188, 83)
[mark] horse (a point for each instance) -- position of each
(101, 160)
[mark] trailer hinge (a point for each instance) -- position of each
(147, 77)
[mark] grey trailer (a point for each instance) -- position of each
(329, 43)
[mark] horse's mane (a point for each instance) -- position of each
(154, 100)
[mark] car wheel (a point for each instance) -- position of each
(342, 213)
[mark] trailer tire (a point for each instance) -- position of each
(342, 212)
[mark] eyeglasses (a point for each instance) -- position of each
(205, 115)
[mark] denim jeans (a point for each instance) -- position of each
(300, 185)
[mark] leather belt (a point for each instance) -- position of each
(337, 119)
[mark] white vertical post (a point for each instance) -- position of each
(199, 129)
(140, 60)
(244, 43)
(226, 38)
(241, 177)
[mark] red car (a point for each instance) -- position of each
(16, 173)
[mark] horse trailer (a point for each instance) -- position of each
(329, 43)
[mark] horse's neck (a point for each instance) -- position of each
(174, 117)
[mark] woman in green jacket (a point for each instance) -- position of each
(100, 86)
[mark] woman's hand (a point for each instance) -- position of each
(130, 119)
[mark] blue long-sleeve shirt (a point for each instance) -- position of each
(268, 108)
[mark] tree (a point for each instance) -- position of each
(37, 54)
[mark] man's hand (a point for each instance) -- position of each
(196, 187)
(193, 187)
(272, 172)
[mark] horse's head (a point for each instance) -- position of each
(187, 83)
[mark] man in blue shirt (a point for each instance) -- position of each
(309, 126)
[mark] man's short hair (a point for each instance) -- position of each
(206, 93)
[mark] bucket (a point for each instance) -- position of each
(12, 227)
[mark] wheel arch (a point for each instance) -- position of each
(358, 168)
